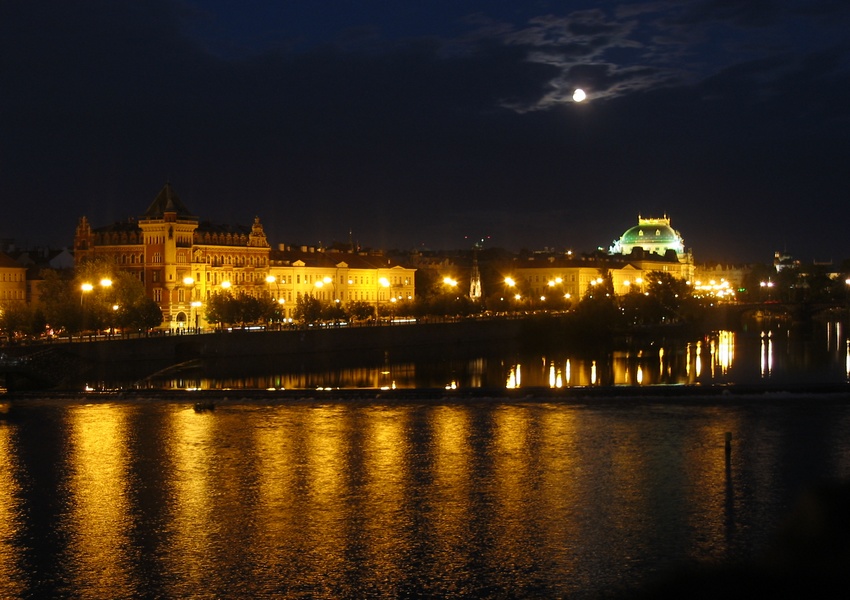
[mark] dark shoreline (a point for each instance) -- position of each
(726, 394)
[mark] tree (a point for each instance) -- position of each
(308, 309)
(132, 309)
(668, 294)
(146, 315)
(18, 318)
(359, 310)
(333, 311)
(61, 302)
(597, 312)
(219, 308)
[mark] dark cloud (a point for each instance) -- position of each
(415, 129)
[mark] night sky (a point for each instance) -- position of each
(433, 124)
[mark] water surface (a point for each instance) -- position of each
(444, 498)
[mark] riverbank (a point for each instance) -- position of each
(71, 364)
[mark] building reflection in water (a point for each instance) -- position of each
(450, 509)
(193, 495)
(847, 359)
(12, 577)
(722, 357)
(766, 356)
(100, 555)
(350, 499)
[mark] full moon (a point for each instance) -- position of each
(579, 95)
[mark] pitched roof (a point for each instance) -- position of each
(166, 201)
(7, 262)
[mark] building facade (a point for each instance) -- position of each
(652, 246)
(13, 281)
(338, 277)
(183, 261)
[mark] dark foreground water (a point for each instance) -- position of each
(482, 498)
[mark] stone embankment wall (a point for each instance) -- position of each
(437, 337)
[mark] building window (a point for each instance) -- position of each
(157, 294)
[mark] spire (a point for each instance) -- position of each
(475, 277)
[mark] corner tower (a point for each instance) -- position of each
(167, 230)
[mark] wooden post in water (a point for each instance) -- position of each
(728, 436)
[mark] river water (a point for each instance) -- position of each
(407, 498)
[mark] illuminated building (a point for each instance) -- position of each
(719, 280)
(652, 246)
(340, 277)
(651, 236)
(182, 261)
(13, 280)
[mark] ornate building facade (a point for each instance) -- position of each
(182, 261)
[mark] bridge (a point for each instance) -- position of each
(735, 314)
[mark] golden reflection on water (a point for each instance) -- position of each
(562, 487)
(847, 360)
(371, 499)
(280, 477)
(722, 357)
(710, 490)
(387, 460)
(99, 515)
(325, 462)
(11, 584)
(512, 450)
(198, 488)
(452, 481)
(766, 354)
(698, 361)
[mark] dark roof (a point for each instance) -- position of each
(210, 227)
(129, 225)
(166, 201)
(331, 259)
(7, 262)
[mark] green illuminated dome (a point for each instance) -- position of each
(652, 235)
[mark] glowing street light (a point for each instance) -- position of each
(768, 285)
(84, 289)
(196, 305)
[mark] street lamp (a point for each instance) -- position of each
(115, 308)
(271, 279)
(84, 289)
(196, 305)
(768, 285)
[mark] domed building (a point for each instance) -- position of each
(652, 236)
(650, 246)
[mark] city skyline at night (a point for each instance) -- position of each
(426, 126)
